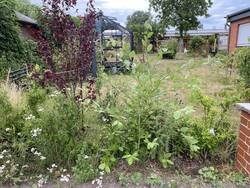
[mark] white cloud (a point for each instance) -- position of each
(122, 8)
(124, 4)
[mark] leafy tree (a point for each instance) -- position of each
(158, 30)
(136, 23)
(26, 8)
(182, 14)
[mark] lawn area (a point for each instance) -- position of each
(181, 75)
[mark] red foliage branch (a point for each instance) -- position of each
(67, 49)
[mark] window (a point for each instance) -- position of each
(244, 35)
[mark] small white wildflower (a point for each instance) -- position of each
(40, 109)
(104, 119)
(50, 170)
(36, 132)
(33, 150)
(7, 162)
(19, 134)
(56, 93)
(54, 166)
(1, 156)
(64, 170)
(4, 151)
(86, 157)
(2, 168)
(7, 129)
(37, 153)
(64, 178)
(41, 181)
(30, 117)
(52, 95)
(42, 158)
(212, 131)
(25, 166)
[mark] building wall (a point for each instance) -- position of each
(223, 43)
(243, 146)
(234, 29)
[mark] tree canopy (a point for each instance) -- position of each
(182, 14)
(136, 23)
(26, 8)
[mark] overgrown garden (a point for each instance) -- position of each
(71, 127)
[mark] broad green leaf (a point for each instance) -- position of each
(149, 48)
(150, 34)
(131, 158)
(132, 54)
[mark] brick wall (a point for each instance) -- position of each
(234, 29)
(243, 147)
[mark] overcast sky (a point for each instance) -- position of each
(122, 8)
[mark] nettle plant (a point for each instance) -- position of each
(66, 46)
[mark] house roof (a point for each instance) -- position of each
(25, 19)
(238, 15)
(200, 32)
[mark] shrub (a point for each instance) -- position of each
(214, 130)
(196, 44)
(48, 130)
(170, 49)
(142, 126)
(242, 62)
(86, 167)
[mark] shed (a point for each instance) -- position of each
(28, 26)
(222, 35)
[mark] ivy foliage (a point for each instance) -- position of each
(9, 32)
(14, 49)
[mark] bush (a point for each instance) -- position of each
(215, 132)
(242, 62)
(196, 44)
(44, 136)
(170, 49)
(143, 126)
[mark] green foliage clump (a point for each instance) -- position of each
(9, 32)
(14, 50)
(26, 8)
(209, 174)
(86, 167)
(242, 62)
(44, 136)
(169, 50)
(214, 131)
(136, 23)
(196, 43)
